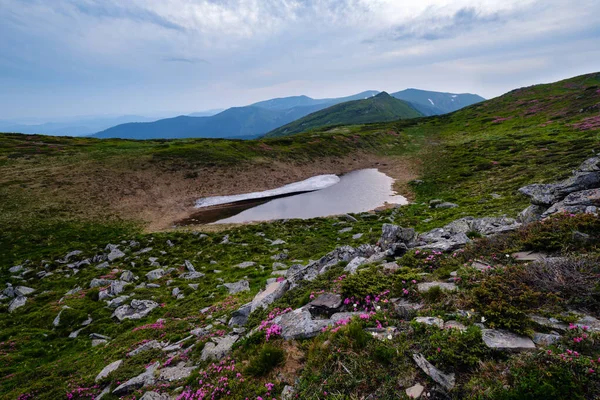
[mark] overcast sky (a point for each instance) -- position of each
(84, 57)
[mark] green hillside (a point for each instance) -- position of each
(64, 200)
(379, 108)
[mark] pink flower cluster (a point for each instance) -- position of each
(267, 325)
(215, 382)
(157, 325)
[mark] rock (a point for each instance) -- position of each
(23, 291)
(74, 334)
(357, 236)
(288, 393)
(447, 381)
(225, 240)
(16, 303)
(15, 269)
(237, 287)
(435, 202)
(279, 257)
(345, 230)
(353, 265)
(383, 334)
(326, 304)
(194, 286)
(127, 276)
(153, 344)
(454, 325)
(152, 286)
(116, 288)
(433, 321)
(98, 336)
(176, 373)
(136, 310)
(480, 266)
(100, 282)
(108, 369)
(277, 242)
(191, 275)
(531, 214)
(271, 293)
(575, 203)
(246, 264)
(405, 309)
(144, 379)
(143, 251)
(88, 321)
(155, 396)
(552, 323)
(544, 339)
(189, 266)
(441, 240)
(74, 291)
(98, 342)
(56, 321)
(155, 274)
(414, 392)
(528, 256)
(504, 340)
(390, 268)
(343, 315)
(117, 302)
(348, 218)
(170, 244)
(391, 235)
(426, 286)
(218, 348)
(298, 324)
(280, 273)
(446, 205)
(103, 265)
(114, 254)
(240, 316)
(588, 323)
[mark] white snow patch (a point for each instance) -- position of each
(454, 96)
(431, 101)
(311, 184)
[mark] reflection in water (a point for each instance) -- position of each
(357, 191)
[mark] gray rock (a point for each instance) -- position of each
(544, 339)
(277, 242)
(15, 269)
(155, 274)
(405, 309)
(56, 321)
(446, 205)
(127, 276)
(447, 381)
(225, 240)
(455, 325)
(353, 265)
(415, 391)
(345, 230)
(504, 340)
(103, 265)
(114, 254)
(576, 203)
(390, 268)
(326, 304)
(528, 256)
(271, 293)
(435, 202)
(17, 303)
(426, 286)
(531, 214)
(391, 235)
(136, 310)
(117, 302)
(191, 275)
(100, 282)
(108, 369)
(279, 257)
(588, 323)
(143, 251)
(298, 324)
(240, 316)
(246, 264)
(151, 345)
(155, 396)
(189, 266)
(383, 334)
(280, 273)
(98, 342)
(176, 373)
(116, 288)
(74, 334)
(170, 244)
(144, 379)
(288, 393)
(237, 287)
(357, 236)
(23, 291)
(152, 285)
(433, 321)
(194, 286)
(342, 315)
(98, 336)
(88, 321)
(552, 323)
(348, 218)
(218, 348)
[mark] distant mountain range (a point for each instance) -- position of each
(379, 108)
(437, 103)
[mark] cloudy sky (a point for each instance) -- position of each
(88, 57)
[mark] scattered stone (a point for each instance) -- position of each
(504, 340)
(189, 266)
(426, 286)
(98, 342)
(544, 339)
(116, 288)
(589, 323)
(246, 264)
(143, 251)
(240, 316)
(405, 309)
(357, 236)
(153, 344)
(237, 287)
(414, 392)
(353, 265)
(170, 244)
(74, 334)
(152, 285)
(528, 256)
(326, 304)
(176, 373)
(56, 321)
(100, 282)
(144, 379)
(136, 310)
(103, 265)
(108, 369)
(99, 336)
(191, 275)
(447, 381)
(154, 262)
(225, 239)
(298, 324)
(16, 303)
(271, 293)
(155, 396)
(279, 257)
(127, 276)
(433, 321)
(288, 393)
(277, 242)
(455, 325)
(478, 265)
(23, 291)
(74, 291)
(194, 286)
(15, 269)
(552, 323)
(531, 214)
(394, 238)
(155, 274)
(446, 205)
(114, 254)
(390, 268)
(383, 334)
(218, 348)
(345, 230)
(280, 273)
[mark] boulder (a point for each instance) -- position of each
(414, 392)
(136, 310)
(236, 287)
(240, 316)
(218, 348)
(433, 321)
(117, 302)
(144, 379)
(108, 369)
(155, 274)
(127, 276)
(288, 393)
(17, 303)
(504, 340)
(100, 282)
(246, 264)
(153, 344)
(176, 373)
(405, 309)
(23, 291)
(114, 254)
(425, 286)
(353, 265)
(189, 266)
(116, 288)
(271, 293)
(326, 304)
(447, 381)
(545, 339)
(155, 396)
(392, 235)
(531, 214)
(575, 203)
(390, 267)
(298, 324)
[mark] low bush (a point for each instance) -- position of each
(268, 357)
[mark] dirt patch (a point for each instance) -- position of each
(294, 362)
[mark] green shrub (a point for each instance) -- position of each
(384, 354)
(359, 337)
(366, 283)
(267, 358)
(93, 294)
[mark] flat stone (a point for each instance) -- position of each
(246, 264)
(383, 334)
(189, 266)
(588, 323)
(96, 282)
(98, 342)
(17, 303)
(277, 242)
(552, 323)
(454, 325)
(23, 291)
(353, 265)
(345, 230)
(415, 392)
(15, 269)
(447, 381)
(115, 254)
(327, 303)
(504, 340)
(545, 339)
(405, 309)
(288, 393)
(426, 286)
(529, 256)
(153, 344)
(191, 275)
(218, 348)
(298, 324)
(240, 316)
(446, 205)
(176, 373)
(127, 276)
(433, 321)
(155, 274)
(155, 396)
(108, 369)
(390, 267)
(357, 236)
(136, 310)
(271, 293)
(237, 287)
(144, 379)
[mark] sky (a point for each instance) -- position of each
(93, 57)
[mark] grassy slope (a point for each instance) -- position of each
(380, 108)
(493, 147)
